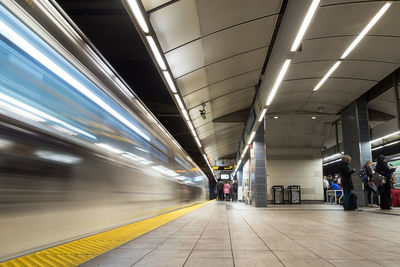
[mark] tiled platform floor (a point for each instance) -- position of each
(233, 234)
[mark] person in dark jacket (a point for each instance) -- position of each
(371, 192)
(220, 189)
(234, 189)
(383, 169)
(347, 183)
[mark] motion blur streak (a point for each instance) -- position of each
(67, 168)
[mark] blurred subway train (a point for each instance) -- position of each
(79, 153)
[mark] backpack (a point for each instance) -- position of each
(363, 175)
(353, 202)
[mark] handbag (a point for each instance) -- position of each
(373, 186)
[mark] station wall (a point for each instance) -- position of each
(295, 166)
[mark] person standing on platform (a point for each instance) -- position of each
(326, 187)
(234, 191)
(369, 186)
(383, 169)
(347, 183)
(220, 189)
(227, 189)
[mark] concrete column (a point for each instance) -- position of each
(356, 142)
(260, 179)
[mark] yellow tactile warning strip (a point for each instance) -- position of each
(84, 249)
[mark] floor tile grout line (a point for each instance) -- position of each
(169, 237)
(294, 240)
(209, 219)
(262, 240)
(230, 237)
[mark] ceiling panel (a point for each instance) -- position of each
(234, 84)
(176, 24)
(255, 34)
(197, 98)
(186, 58)
(216, 15)
(150, 4)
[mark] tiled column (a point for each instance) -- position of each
(356, 141)
(260, 184)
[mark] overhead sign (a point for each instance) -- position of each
(223, 168)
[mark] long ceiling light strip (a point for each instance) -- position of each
(278, 81)
(156, 52)
(138, 15)
(253, 133)
(356, 41)
(304, 25)
(262, 115)
(327, 75)
(170, 82)
(369, 26)
(384, 137)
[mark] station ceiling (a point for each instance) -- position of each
(224, 56)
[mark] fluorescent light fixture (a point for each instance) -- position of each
(179, 100)
(278, 81)
(245, 150)
(48, 63)
(205, 157)
(190, 125)
(390, 144)
(384, 137)
(170, 81)
(110, 148)
(313, 118)
(185, 114)
(253, 133)
(331, 70)
(374, 20)
(276, 117)
(304, 25)
(376, 148)
(156, 52)
(197, 141)
(193, 132)
(138, 15)
(331, 162)
(334, 156)
(5, 143)
(262, 115)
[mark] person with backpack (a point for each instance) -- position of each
(366, 176)
(383, 169)
(234, 191)
(347, 183)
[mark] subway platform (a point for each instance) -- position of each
(234, 234)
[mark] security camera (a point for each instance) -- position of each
(203, 112)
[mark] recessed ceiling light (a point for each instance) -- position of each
(276, 117)
(313, 118)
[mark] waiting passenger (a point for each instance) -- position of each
(227, 189)
(383, 169)
(326, 186)
(335, 186)
(234, 191)
(220, 189)
(370, 186)
(347, 183)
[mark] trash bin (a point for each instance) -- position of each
(294, 192)
(278, 194)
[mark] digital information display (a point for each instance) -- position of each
(225, 176)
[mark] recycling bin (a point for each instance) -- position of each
(294, 192)
(278, 193)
